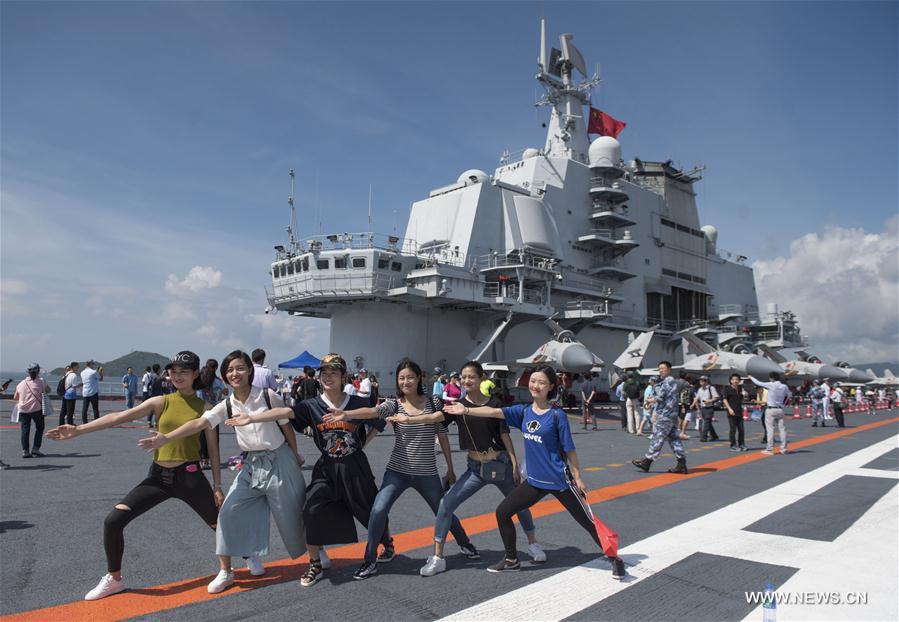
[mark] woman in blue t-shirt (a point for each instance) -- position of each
(547, 446)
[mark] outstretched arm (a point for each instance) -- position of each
(151, 406)
(285, 412)
(159, 439)
(335, 414)
(476, 411)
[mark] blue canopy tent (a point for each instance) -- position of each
(301, 360)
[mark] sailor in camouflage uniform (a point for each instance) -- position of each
(665, 401)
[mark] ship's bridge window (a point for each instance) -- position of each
(383, 263)
(396, 266)
(323, 264)
(340, 263)
(358, 262)
(290, 268)
(282, 270)
(305, 264)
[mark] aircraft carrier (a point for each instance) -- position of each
(568, 230)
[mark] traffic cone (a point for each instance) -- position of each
(796, 414)
(808, 410)
(745, 413)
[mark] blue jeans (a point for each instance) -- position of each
(466, 486)
(392, 486)
(129, 399)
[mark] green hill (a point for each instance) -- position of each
(117, 367)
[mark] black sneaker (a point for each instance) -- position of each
(26, 454)
(469, 551)
(366, 570)
(37, 453)
(505, 565)
(618, 569)
(388, 553)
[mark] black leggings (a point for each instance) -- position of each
(191, 486)
(736, 431)
(523, 497)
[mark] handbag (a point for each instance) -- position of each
(491, 470)
(14, 415)
(46, 405)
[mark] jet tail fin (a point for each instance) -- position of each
(693, 344)
(632, 357)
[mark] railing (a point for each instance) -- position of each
(597, 308)
(605, 233)
(495, 260)
(609, 263)
(356, 241)
(331, 285)
(511, 290)
(587, 283)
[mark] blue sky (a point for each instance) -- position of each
(141, 140)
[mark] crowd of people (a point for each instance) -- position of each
(186, 403)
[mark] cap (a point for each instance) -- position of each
(333, 361)
(33, 367)
(816, 382)
(363, 371)
(455, 374)
(487, 387)
(185, 359)
(706, 378)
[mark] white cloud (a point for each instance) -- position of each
(199, 277)
(843, 286)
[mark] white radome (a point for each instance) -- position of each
(529, 153)
(473, 176)
(605, 151)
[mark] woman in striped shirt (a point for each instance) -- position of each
(412, 463)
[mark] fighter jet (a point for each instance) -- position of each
(799, 369)
(563, 353)
(887, 380)
(838, 371)
(701, 359)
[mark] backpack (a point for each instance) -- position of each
(631, 389)
(308, 389)
(686, 394)
(61, 386)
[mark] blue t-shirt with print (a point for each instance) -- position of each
(542, 433)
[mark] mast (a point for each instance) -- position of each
(566, 135)
(292, 226)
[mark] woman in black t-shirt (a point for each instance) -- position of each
(733, 402)
(491, 460)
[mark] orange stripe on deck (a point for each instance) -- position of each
(143, 601)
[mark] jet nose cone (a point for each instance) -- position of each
(576, 358)
(857, 375)
(833, 372)
(760, 367)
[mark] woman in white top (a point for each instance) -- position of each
(29, 398)
(269, 482)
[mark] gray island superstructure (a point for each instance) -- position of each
(571, 231)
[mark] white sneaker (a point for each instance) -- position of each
(433, 566)
(255, 566)
(106, 587)
(537, 553)
(323, 557)
(222, 580)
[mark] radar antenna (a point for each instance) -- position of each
(292, 227)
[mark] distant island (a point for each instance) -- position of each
(117, 367)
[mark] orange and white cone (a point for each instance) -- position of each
(745, 413)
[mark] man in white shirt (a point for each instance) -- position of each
(364, 384)
(90, 390)
(706, 398)
(778, 394)
(262, 375)
(825, 403)
(836, 400)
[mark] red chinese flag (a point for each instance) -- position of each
(603, 124)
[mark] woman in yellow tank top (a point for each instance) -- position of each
(175, 472)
